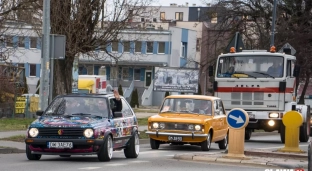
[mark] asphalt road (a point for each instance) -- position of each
(160, 159)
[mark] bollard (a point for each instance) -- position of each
(237, 119)
(292, 121)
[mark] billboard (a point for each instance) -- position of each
(176, 80)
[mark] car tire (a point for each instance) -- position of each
(224, 143)
(248, 133)
(32, 156)
(65, 155)
(106, 152)
(304, 133)
(205, 145)
(154, 144)
(133, 148)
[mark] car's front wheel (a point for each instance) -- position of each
(32, 156)
(154, 143)
(133, 148)
(224, 143)
(106, 152)
(205, 145)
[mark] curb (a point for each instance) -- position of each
(11, 150)
(277, 155)
(220, 159)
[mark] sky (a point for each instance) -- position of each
(180, 2)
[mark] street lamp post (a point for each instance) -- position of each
(273, 22)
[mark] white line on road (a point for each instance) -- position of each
(89, 168)
(279, 147)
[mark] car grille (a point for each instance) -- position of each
(66, 132)
(247, 98)
(176, 126)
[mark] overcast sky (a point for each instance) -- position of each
(179, 2)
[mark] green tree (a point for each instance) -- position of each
(167, 94)
(120, 90)
(134, 98)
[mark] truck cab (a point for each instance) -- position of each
(263, 84)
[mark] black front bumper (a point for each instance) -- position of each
(76, 142)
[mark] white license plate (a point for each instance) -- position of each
(251, 116)
(174, 138)
(60, 145)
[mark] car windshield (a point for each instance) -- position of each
(185, 105)
(78, 106)
(250, 67)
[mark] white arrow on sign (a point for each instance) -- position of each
(238, 120)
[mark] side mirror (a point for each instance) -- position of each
(117, 114)
(39, 113)
(210, 71)
(296, 71)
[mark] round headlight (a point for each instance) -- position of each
(162, 125)
(88, 133)
(191, 127)
(155, 125)
(197, 127)
(33, 132)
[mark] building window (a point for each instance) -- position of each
(9, 41)
(138, 46)
(115, 46)
(137, 73)
(33, 42)
(125, 73)
(198, 42)
(179, 16)
(162, 16)
(149, 47)
(142, 19)
(32, 70)
(154, 19)
(113, 73)
(90, 69)
(126, 46)
(161, 47)
(214, 18)
(21, 42)
(184, 50)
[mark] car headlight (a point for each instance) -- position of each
(273, 115)
(155, 125)
(197, 127)
(162, 125)
(88, 133)
(191, 127)
(33, 132)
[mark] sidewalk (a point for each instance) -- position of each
(267, 158)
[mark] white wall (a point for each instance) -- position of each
(191, 48)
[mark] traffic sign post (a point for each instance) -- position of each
(292, 121)
(237, 119)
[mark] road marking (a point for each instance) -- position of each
(115, 164)
(280, 147)
(90, 168)
(139, 161)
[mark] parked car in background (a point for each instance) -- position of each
(189, 119)
(84, 124)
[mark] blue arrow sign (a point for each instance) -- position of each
(236, 119)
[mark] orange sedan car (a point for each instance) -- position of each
(189, 119)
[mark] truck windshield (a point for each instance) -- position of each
(250, 66)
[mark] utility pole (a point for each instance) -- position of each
(273, 23)
(45, 54)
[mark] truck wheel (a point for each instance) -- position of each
(282, 132)
(304, 133)
(248, 134)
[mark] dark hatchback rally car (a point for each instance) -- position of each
(84, 124)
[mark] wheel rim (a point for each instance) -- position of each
(137, 144)
(208, 141)
(110, 147)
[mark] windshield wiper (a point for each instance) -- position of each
(243, 73)
(264, 74)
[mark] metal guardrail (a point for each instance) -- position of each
(129, 90)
